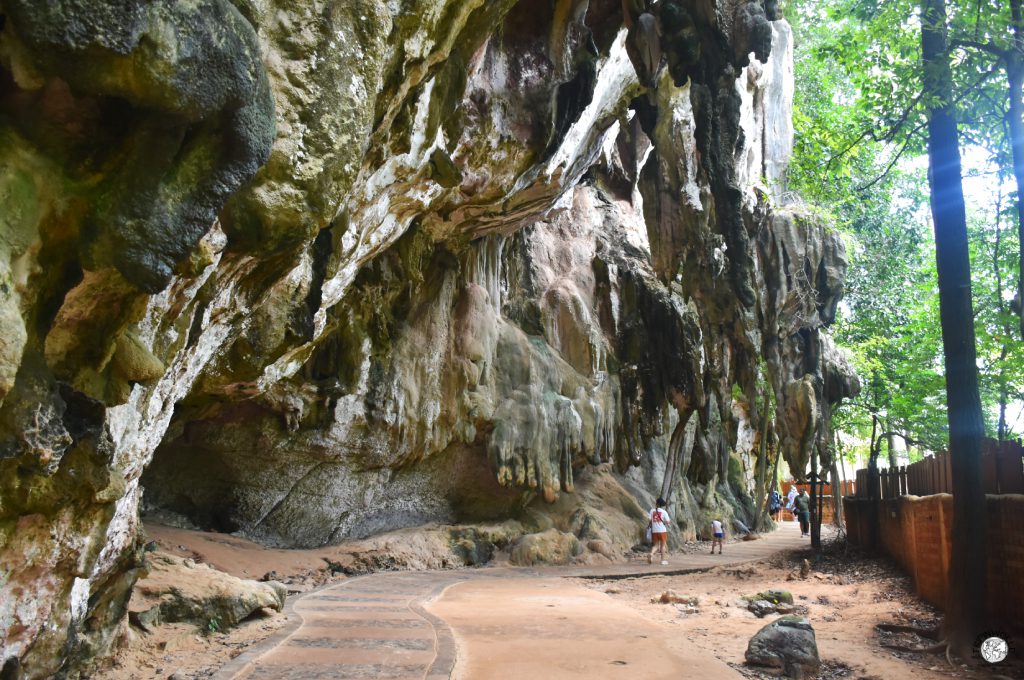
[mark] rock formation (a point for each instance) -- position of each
(315, 271)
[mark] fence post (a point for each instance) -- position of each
(943, 556)
(911, 513)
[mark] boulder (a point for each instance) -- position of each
(602, 548)
(770, 602)
(761, 608)
(181, 590)
(774, 596)
(548, 547)
(787, 644)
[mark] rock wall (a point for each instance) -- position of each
(315, 272)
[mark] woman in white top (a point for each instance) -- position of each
(791, 499)
(659, 530)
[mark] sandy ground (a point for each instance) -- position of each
(511, 628)
(241, 557)
(182, 651)
(845, 596)
(523, 629)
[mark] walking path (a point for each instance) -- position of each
(378, 625)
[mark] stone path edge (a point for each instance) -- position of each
(446, 653)
(619, 576)
(647, 574)
(236, 665)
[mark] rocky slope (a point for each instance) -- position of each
(315, 271)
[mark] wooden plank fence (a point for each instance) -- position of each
(1002, 466)
(846, 488)
(931, 475)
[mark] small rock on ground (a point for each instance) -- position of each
(788, 643)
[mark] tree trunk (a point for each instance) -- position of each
(840, 520)
(1001, 304)
(837, 494)
(1015, 82)
(965, 606)
(762, 468)
(873, 492)
(891, 447)
(770, 432)
(1003, 396)
(815, 492)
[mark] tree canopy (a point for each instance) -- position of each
(860, 117)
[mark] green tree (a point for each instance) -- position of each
(872, 79)
(860, 116)
(994, 249)
(966, 589)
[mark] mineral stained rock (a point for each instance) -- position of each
(311, 272)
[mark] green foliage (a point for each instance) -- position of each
(859, 117)
(213, 625)
(994, 250)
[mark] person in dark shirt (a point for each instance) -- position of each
(775, 504)
(803, 512)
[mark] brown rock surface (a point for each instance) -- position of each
(180, 590)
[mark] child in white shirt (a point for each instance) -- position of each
(718, 533)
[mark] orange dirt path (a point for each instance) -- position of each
(484, 623)
(523, 629)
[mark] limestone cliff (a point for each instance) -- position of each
(315, 271)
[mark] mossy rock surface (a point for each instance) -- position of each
(773, 596)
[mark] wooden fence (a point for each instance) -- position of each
(1002, 466)
(846, 488)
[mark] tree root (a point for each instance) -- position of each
(941, 646)
(929, 633)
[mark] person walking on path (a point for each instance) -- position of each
(775, 504)
(803, 513)
(659, 530)
(718, 533)
(791, 500)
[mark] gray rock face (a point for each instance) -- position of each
(313, 273)
(787, 644)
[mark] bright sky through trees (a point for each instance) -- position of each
(859, 153)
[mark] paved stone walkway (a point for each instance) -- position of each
(375, 626)
(372, 626)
